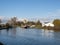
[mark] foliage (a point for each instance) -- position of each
(38, 24)
(56, 22)
(30, 23)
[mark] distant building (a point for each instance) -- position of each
(48, 24)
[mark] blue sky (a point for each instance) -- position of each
(30, 8)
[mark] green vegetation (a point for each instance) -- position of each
(56, 23)
(14, 23)
(38, 24)
(30, 23)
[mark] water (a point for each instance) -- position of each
(20, 36)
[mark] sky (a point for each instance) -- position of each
(30, 8)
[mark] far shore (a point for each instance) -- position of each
(13, 23)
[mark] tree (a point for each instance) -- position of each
(13, 21)
(56, 22)
(30, 23)
(0, 21)
(38, 24)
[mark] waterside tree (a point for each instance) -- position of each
(56, 23)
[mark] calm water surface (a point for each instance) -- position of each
(20, 36)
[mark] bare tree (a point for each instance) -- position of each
(13, 21)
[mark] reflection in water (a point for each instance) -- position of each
(29, 37)
(48, 33)
(28, 32)
(12, 32)
(0, 31)
(57, 35)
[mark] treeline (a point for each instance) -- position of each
(14, 23)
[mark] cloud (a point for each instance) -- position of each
(1, 17)
(54, 14)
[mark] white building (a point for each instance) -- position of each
(48, 24)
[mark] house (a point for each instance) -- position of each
(48, 24)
